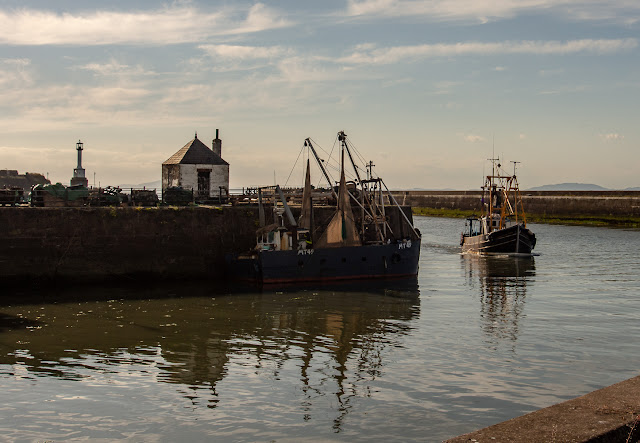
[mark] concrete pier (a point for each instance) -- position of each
(607, 415)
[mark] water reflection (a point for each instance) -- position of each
(328, 342)
(503, 282)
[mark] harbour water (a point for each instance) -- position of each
(471, 342)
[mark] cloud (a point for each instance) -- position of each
(238, 52)
(566, 89)
(612, 137)
(118, 99)
(261, 18)
(550, 72)
(383, 56)
(445, 87)
(171, 25)
(471, 138)
(114, 68)
(285, 65)
(482, 11)
(15, 72)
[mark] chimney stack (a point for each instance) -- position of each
(217, 144)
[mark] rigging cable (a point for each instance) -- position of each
(294, 167)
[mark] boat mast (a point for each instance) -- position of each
(489, 185)
(342, 137)
(343, 141)
(374, 205)
(308, 143)
(513, 185)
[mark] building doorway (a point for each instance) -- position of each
(204, 182)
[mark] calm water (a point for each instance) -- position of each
(469, 343)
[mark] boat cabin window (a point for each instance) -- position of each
(473, 226)
(268, 241)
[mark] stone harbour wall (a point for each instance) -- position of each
(546, 203)
(119, 243)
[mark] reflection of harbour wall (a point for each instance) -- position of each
(550, 203)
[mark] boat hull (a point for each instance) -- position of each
(329, 264)
(512, 240)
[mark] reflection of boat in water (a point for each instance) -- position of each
(403, 287)
(358, 242)
(328, 343)
(497, 266)
(503, 283)
(502, 228)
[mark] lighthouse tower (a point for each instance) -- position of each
(78, 173)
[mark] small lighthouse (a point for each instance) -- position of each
(78, 173)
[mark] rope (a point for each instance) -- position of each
(294, 166)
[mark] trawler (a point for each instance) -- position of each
(358, 242)
(502, 229)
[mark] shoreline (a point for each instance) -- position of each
(619, 209)
(608, 221)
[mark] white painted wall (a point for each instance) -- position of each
(219, 177)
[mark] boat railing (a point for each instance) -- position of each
(269, 196)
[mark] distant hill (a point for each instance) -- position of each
(569, 187)
(633, 189)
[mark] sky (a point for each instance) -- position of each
(426, 89)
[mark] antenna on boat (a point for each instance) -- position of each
(514, 167)
(370, 166)
(493, 153)
(493, 164)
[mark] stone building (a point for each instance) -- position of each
(9, 178)
(198, 168)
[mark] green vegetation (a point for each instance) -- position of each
(613, 221)
(449, 213)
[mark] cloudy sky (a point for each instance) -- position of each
(427, 89)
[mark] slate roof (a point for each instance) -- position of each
(195, 152)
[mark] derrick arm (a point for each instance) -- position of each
(307, 142)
